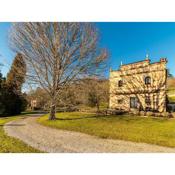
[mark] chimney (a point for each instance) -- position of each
(147, 58)
(163, 60)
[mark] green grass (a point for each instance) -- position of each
(171, 99)
(10, 144)
(171, 94)
(158, 131)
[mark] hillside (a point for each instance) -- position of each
(171, 89)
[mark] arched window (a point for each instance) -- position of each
(147, 80)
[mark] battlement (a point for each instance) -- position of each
(140, 85)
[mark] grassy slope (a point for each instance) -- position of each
(12, 145)
(159, 131)
(171, 89)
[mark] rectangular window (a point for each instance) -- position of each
(155, 101)
(133, 102)
(120, 83)
(147, 100)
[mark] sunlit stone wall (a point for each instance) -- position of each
(148, 96)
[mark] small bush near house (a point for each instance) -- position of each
(142, 113)
(149, 113)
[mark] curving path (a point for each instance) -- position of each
(53, 140)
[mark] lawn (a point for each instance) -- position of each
(12, 145)
(158, 131)
(171, 94)
(171, 99)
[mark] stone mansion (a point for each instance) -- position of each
(139, 86)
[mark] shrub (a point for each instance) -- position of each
(166, 114)
(170, 115)
(135, 112)
(157, 114)
(142, 113)
(115, 112)
(149, 113)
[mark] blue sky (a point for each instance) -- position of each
(126, 42)
(6, 55)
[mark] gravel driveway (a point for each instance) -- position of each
(54, 140)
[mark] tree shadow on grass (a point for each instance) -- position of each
(13, 125)
(33, 112)
(87, 117)
(83, 117)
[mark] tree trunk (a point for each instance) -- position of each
(98, 106)
(52, 109)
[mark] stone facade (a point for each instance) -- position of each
(33, 104)
(139, 86)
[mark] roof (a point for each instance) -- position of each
(148, 61)
(135, 62)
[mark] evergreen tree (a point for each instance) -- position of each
(12, 100)
(2, 105)
(16, 75)
(13, 103)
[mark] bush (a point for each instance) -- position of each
(166, 114)
(142, 113)
(115, 112)
(149, 113)
(158, 114)
(135, 112)
(13, 103)
(169, 108)
(170, 115)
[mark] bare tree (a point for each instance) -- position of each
(41, 97)
(56, 54)
(98, 92)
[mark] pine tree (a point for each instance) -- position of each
(16, 75)
(2, 83)
(12, 100)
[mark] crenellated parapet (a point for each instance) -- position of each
(139, 83)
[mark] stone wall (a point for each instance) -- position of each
(150, 96)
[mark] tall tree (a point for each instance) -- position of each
(14, 103)
(2, 82)
(12, 100)
(17, 73)
(58, 54)
(41, 97)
